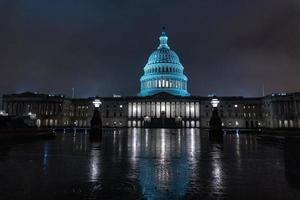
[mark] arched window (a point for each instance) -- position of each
(159, 69)
(163, 69)
(167, 69)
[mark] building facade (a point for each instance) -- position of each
(163, 101)
(272, 111)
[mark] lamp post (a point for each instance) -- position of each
(147, 121)
(96, 122)
(215, 123)
(178, 121)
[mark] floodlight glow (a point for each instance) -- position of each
(214, 102)
(97, 103)
(3, 113)
(31, 115)
(147, 119)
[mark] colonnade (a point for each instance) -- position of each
(164, 83)
(171, 109)
(185, 123)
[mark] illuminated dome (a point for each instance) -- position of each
(163, 72)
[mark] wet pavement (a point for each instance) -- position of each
(149, 164)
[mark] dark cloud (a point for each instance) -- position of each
(100, 47)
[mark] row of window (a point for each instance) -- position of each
(249, 114)
(114, 106)
(249, 106)
(115, 124)
(187, 124)
(21, 108)
(82, 107)
(107, 114)
(287, 124)
(164, 84)
(55, 122)
(163, 69)
(236, 106)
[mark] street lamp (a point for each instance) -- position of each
(97, 103)
(215, 102)
(147, 121)
(96, 122)
(178, 121)
(215, 123)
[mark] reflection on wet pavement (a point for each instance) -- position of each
(149, 164)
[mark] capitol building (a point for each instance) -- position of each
(163, 72)
(162, 102)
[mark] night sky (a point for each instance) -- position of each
(228, 47)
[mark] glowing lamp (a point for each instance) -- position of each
(178, 119)
(97, 103)
(3, 113)
(147, 118)
(31, 115)
(214, 102)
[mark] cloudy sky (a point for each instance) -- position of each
(228, 47)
